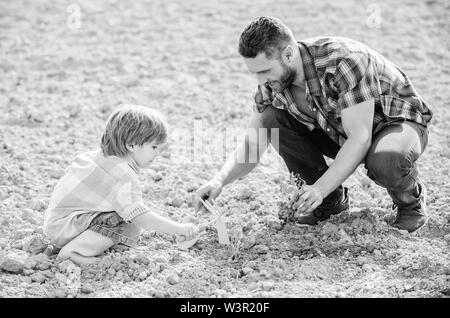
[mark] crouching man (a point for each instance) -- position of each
(336, 97)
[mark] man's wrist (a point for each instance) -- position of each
(219, 179)
(322, 188)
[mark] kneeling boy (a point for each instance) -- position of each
(98, 202)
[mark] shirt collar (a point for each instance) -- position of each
(312, 81)
(309, 68)
(133, 165)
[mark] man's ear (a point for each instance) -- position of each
(288, 53)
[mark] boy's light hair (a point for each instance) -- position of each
(132, 125)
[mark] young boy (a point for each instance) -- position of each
(98, 202)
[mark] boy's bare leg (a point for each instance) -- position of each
(84, 248)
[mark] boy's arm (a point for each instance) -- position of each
(152, 221)
(129, 205)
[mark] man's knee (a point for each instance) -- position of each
(391, 170)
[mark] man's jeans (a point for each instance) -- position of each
(390, 161)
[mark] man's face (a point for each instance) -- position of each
(273, 73)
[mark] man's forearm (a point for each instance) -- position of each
(247, 155)
(236, 165)
(347, 160)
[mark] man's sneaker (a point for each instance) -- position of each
(413, 217)
(325, 210)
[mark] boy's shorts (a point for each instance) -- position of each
(111, 225)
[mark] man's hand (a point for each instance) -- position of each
(306, 200)
(209, 192)
(187, 231)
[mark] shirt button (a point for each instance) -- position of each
(314, 109)
(328, 129)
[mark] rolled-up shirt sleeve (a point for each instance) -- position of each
(128, 203)
(355, 80)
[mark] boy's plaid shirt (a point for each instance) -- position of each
(93, 184)
(340, 73)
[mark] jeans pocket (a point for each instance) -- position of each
(422, 131)
(113, 220)
(109, 219)
(424, 138)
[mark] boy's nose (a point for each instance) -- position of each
(163, 147)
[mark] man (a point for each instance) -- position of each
(336, 97)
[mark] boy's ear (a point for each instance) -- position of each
(131, 148)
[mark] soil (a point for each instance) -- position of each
(59, 83)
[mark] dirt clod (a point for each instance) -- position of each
(173, 279)
(34, 244)
(11, 265)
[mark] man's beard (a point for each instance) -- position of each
(286, 79)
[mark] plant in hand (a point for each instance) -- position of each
(291, 191)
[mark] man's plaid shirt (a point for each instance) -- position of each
(93, 184)
(340, 73)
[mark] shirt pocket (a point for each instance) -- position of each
(333, 108)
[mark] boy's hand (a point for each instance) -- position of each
(187, 231)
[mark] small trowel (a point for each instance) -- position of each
(220, 223)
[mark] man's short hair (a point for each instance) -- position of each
(264, 34)
(132, 125)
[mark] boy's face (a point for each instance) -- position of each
(144, 155)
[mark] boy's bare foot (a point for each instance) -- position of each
(77, 258)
